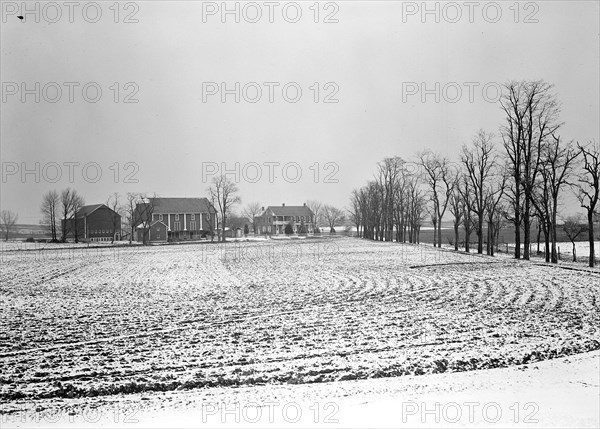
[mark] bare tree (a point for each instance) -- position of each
(416, 208)
(493, 199)
(77, 202)
(532, 111)
(456, 208)
(499, 218)
(316, 207)
(480, 162)
(389, 178)
(542, 202)
(557, 163)
(440, 179)
(223, 194)
(333, 215)
(235, 221)
(400, 200)
(355, 211)
(8, 220)
(113, 203)
(212, 220)
(574, 227)
(70, 203)
(588, 188)
(144, 210)
(49, 208)
(466, 193)
(66, 205)
(130, 210)
(250, 212)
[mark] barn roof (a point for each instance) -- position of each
(180, 205)
(87, 210)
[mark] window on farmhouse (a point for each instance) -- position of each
(177, 226)
(193, 225)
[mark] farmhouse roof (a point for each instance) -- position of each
(180, 205)
(288, 211)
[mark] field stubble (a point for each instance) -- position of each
(179, 317)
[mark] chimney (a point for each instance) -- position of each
(282, 204)
(304, 204)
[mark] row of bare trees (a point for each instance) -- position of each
(520, 182)
(59, 211)
(392, 205)
(8, 220)
(541, 165)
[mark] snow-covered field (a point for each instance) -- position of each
(21, 245)
(582, 248)
(171, 318)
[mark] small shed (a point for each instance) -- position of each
(158, 232)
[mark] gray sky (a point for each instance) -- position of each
(372, 54)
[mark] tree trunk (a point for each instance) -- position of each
(527, 232)
(492, 236)
(539, 236)
(517, 220)
(591, 237)
(552, 227)
(64, 230)
(456, 237)
(480, 233)
(468, 234)
(440, 232)
(489, 239)
(547, 242)
(574, 252)
(517, 237)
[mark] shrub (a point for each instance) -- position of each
(29, 240)
(289, 229)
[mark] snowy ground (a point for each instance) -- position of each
(556, 393)
(582, 248)
(271, 316)
(21, 245)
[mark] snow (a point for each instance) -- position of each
(556, 393)
(268, 315)
(15, 246)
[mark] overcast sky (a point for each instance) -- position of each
(374, 58)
